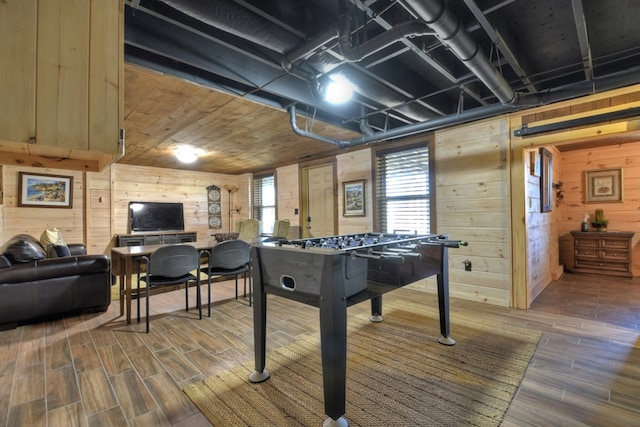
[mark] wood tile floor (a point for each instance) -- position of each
(94, 370)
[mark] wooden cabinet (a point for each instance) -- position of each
(61, 82)
(606, 253)
(159, 238)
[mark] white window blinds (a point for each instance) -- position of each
(403, 190)
(264, 201)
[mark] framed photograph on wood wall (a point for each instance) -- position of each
(546, 180)
(603, 186)
(354, 203)
(45, 191)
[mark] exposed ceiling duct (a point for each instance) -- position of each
(416, 65)
(228, 16)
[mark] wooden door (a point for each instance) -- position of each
(320, 219)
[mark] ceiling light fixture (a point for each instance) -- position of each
(187, 154)
(338, 89)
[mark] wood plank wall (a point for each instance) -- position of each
(481, 180)
(542, 227)
(33, 221)
(354, 166)
(622, 216)
(288, 197)
(472, 202)
(140, 183)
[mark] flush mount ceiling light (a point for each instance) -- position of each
(337, 90)
(187, 154)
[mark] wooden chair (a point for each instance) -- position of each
(281, 229)
(228, 258)
(249, 229)
(170, 265)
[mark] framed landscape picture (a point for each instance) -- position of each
(45, 191)
(354, 203)
(603, 185)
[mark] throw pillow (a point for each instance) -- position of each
(23, 248)
(58, 251)
(52, 237)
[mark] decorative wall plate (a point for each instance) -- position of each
(214, 195)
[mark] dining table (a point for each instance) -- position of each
(124, 264)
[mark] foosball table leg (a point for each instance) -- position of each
(376, 309)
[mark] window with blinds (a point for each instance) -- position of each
(264, 201)
(403, 190)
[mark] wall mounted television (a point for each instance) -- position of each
(156, 216)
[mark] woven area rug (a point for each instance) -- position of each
(397, 375)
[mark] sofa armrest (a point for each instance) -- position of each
(77, 249)
(55, 267)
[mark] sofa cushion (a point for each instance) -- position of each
(23, 248)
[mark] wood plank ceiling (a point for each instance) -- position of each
(163, 113)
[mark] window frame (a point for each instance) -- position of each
(419, 142)
(257, 208)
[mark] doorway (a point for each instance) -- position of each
(319, 201)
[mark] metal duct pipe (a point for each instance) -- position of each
(612, 81)
(451, 33)
(398, 32)
(230, 17)
(403, 131)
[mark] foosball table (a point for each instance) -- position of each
(335, 272)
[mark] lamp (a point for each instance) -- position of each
(230, 188)
(337, 89)
(187, 154)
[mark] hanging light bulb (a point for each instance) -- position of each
(338, 89)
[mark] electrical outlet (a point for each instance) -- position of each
(467, 265)
(295, 211)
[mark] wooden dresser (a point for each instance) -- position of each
(607, 253)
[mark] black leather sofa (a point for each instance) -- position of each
(34, 287)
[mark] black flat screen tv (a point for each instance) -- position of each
(156, 216)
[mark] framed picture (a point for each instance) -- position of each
(546, 180)
(354, 203)
(45, 191)
(603, 186)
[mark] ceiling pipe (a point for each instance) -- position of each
(612, 81)
(231, 17)
(398, 32)
(452, 34)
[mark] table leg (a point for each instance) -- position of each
(121, 292)
(259, 325)
(376, 309)
(443, 299)
(128, 271)
(333, 343)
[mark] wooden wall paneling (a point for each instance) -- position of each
(528, 279)
(288, 188)
(131, 183)
(62, 93)
(472, 204)
(32, 220)
(98, 213)
(17, 69)
(622, 216)
(353, 166)
(105, 79)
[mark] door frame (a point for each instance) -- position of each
(304, 193)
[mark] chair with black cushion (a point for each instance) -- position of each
(228, 258)
(170, 265)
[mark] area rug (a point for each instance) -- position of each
(397, 375)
